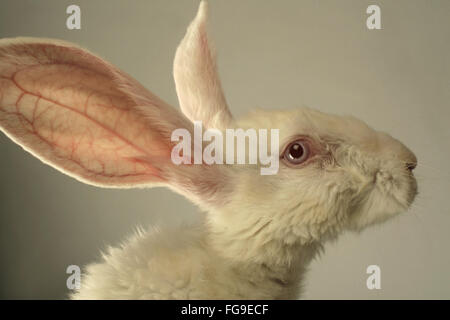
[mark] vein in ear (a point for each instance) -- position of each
(81, 117)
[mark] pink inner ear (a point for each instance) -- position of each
(196, 77)
(78, 120)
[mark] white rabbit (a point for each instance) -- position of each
(81, 115)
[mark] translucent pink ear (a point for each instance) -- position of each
(198, 86)
(82, 115)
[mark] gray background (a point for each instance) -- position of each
(271, 54)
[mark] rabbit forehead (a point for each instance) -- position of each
(307, 121)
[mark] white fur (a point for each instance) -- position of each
(257, 246)
(260, 232)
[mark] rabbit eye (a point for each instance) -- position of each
(296, 152)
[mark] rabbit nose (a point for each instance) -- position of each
(411, 160)
(411, 166)
(408, 157)
(394, 147)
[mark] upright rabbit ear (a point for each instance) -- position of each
(196, 78)
(83, 116)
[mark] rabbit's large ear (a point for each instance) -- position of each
(198, 85)
(82, 115)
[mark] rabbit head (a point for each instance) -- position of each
(342, 175)
(83, 116)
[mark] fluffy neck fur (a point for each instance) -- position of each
(198, 263)
(262, 268)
